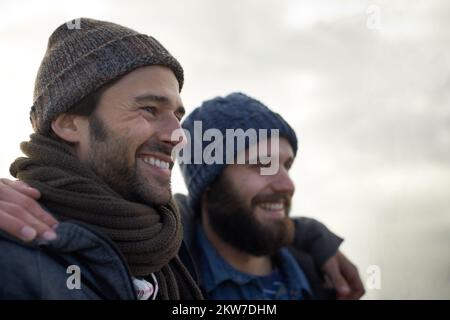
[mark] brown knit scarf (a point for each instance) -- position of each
(149, 238)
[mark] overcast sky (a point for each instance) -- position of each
(364, 83)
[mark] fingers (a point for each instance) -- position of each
(327, 282)
(16, 227)
(35, 214)
(351, 273)
(333, 272)
(20, 214)
(18, 222)
(19, 192)
(21, 187)
(341, 286)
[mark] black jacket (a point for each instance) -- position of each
(44, 270)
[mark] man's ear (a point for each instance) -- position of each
(70, 127)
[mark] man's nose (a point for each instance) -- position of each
(283, 183)
(167, 131)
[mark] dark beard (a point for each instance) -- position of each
(110, 164)
(237, 225)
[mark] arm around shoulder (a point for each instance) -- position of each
(315, 238)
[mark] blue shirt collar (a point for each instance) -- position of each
(214, 270)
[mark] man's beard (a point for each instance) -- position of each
(236, 224)
(108, 159)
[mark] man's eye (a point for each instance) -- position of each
(259, 164)
(265, 165)
(288, 165)
(151, 110)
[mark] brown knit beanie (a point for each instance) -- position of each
(83, 56)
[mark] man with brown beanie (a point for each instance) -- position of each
(106, 103)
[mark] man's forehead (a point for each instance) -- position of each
(155, 83)
(274, 146)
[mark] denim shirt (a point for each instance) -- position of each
(221, 281)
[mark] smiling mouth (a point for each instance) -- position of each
(273, 210)
(272, 206)
(158, 163)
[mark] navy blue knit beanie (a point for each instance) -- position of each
(235, 111)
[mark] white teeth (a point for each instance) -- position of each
(272, 206)
(156, 162)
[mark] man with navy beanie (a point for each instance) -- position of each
(236, 218)
(235, 111)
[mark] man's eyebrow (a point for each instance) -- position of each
(160, 99)
(151, 97)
